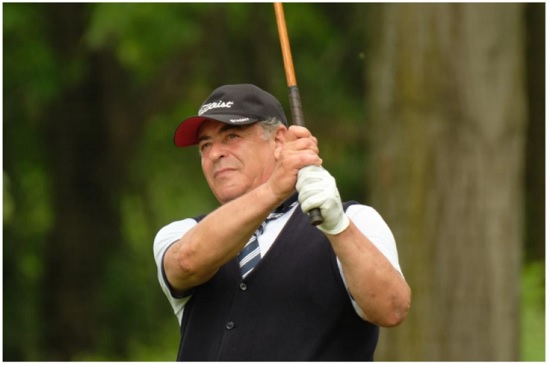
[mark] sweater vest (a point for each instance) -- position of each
(292, 307)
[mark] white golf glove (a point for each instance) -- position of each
(317, 189)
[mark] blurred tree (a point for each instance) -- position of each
(448, 122)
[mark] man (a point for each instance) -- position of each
(245, 289)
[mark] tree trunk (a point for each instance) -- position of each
(448, 116)
(91, 131)
(535, 148)
(86, 226)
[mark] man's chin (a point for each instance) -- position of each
(229, 194)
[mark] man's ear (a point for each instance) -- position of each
(279, 138)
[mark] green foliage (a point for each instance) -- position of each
(533, 343)
(33, 74)
(31, 82)
(144, 35)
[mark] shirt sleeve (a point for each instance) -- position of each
(373, 226)
(163, 240)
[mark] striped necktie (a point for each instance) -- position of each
(250, 255)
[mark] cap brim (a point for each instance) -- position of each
(187, 132)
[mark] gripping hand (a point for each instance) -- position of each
(317, 189)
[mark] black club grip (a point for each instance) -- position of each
(315, 216)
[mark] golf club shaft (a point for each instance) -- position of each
(293, 92)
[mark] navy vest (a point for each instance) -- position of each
(292, 307)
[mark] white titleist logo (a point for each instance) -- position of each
(214, 105)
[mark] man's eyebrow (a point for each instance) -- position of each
(229, 127)
(223, 129)
(203, 138)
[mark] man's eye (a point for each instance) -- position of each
(204, 146)
(232, 135)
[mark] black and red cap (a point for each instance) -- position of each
(238, 104)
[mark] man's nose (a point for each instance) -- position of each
(216, 151)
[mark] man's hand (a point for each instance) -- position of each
(298, 150)
(317, 189)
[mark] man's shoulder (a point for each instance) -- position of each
(363, 213)
(176, 228)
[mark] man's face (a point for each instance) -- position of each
(235, 159)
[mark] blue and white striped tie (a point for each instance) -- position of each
(250, 255)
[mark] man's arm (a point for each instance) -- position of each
(377, 287)
(216, 239)
(222, 234)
